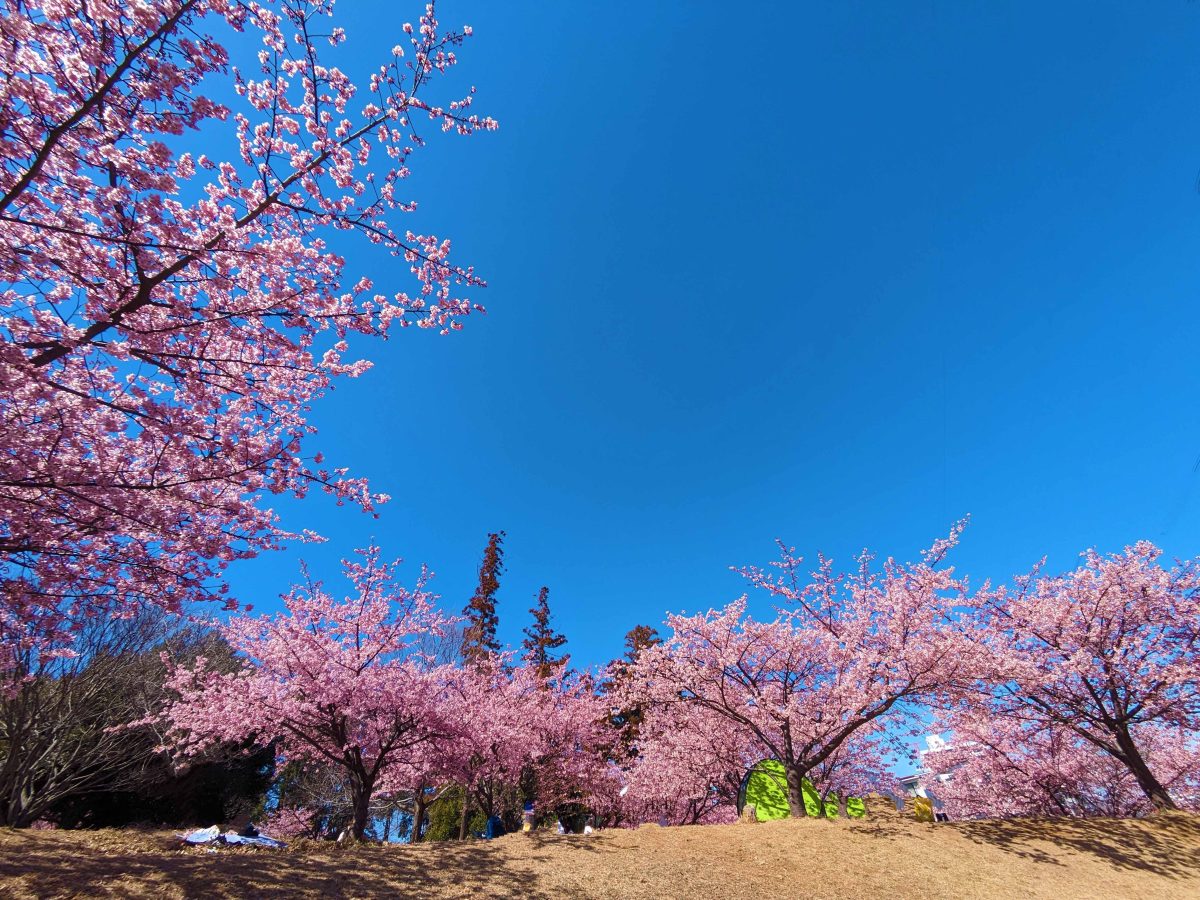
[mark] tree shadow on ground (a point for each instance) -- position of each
(1164, 844)
(884, 822)
(154, 865)
(546, 840)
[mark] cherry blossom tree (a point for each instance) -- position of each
(997, 768)
(168, 316)
(857, 768)
(846, 657)
(506, 722)
(422, 778)
(491, 710)
(1102, 660)
(689, 761)
(330, 681)
(686, 767)
(572, 738)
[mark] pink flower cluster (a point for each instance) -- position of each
(351, 682)
(1085, 695)
(167, 317)
(1069, 695)
(822, 687)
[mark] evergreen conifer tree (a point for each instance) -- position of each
(479, 637)
(541, 639)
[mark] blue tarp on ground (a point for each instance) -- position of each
(212, 835)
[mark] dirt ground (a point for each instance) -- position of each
(880, 857)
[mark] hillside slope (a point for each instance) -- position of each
(1157, 857)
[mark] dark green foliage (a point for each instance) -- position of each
(445, 813)
(206, 793)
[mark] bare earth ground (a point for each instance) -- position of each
(882, 857)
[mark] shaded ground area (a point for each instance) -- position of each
(882, 856)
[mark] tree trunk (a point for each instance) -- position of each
(466, 808)
(795, 791)
(17, 815)
(361, 795)
(487, 797)
(823, 812)
(1146, 780)
(418, 816)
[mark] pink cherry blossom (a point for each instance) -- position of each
(1000, 767)
(847, 658)
(337, 681)
(349, 683)
(1101, 664)
(167, 318)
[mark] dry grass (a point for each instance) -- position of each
(880, 857)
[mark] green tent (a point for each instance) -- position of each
(765, 787)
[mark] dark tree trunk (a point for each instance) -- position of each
(823, 812)
(487, 798)
(1146, 780)
(795, 791)
(18, 816)
(466, 809)
(361, 795)
(418, 816)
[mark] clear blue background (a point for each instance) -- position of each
(837, 273)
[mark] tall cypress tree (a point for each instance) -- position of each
(541, 638)
(628, 721)
(479, 637)
(637, 639)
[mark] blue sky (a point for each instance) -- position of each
(836, 273)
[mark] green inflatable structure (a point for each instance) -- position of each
(765, 788)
